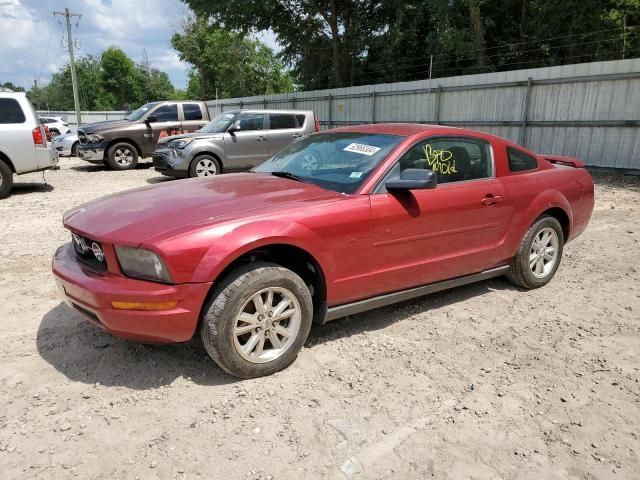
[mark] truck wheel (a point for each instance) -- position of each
(539, 254)
(6, 179)
(122, 156)
(204, 166)
(257, 320)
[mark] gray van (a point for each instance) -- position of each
(233, 141)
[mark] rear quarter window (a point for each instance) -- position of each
(301, 119)
(520, 161)
(10, 111)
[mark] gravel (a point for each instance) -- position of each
(484, 381)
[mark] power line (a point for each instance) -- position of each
(74, 81)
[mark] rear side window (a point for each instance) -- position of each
(167, 113)
(453, 159)
(300, 119)
(10, 111)
(279, 121)
(192, 111)
(520, 161)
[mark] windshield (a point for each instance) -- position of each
(335, 161)
(140, 112)
(220, 123)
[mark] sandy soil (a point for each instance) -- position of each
(484, 381)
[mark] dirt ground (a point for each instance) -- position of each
(484, 381)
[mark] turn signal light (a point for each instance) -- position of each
(144, 306)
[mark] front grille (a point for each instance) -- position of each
(82, 137)
(84, 250)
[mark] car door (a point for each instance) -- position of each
(456, 229)
(246, 142)
(283, 130)
(16, 135)
(162, 122)
(192, 117)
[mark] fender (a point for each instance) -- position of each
(239, 241)
(206, 145)
(543, 202)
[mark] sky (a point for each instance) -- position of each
(31, 36)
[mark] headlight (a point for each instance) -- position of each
(95, 138)
(180, 143)
(142, 264)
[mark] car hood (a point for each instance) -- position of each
(105, 125)
(137, 215)
(194, 135)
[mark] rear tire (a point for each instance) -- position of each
(74, 150)
(204, 166)
(6, 179)
(122, 156)
(257, 320)
(539, 254)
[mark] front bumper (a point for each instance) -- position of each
(91, 293)
(91, 153)
(169, 162)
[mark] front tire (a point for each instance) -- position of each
(204, 166)
(122, 156)
(6, 179)
(539, 254)
(257, 320)
(74, 149)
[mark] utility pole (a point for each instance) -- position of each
(68, 15)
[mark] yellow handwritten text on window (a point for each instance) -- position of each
(440, 161)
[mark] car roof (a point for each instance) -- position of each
(262, 110)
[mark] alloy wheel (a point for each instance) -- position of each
(543, 254)
(206, 167)
(267, 325)
(123, 157)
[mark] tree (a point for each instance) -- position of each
(11, 86)
(228, 63)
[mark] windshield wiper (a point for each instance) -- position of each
(289, 175)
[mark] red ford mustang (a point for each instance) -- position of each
(340, 222)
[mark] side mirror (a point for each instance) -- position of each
(413, 179)
(234, 128)
(151, 119)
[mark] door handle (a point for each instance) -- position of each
(296, 135)
(260, 139)
(490, 199)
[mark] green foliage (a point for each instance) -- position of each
(109, 82)
(331, 43)
(11, 86)
(228, 62)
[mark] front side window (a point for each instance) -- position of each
(280, 121)
(452, 159)
(220, 122)
(167, 113)
(336, 161)
(520, 161)
(10, 111)
(251, 121)
(140, 112)
(192, 111)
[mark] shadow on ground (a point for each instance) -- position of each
(383, 317)
(161, 179)
(91, 167)
(84, 353)
(32, 187)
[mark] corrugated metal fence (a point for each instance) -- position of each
(87, 117)
(590, 111)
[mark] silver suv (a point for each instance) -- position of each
(23, 140)
(233, 141)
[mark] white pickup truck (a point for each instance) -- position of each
(23, 140)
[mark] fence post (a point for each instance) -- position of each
(373, 107)
(525, 112)
(293, 101)
(264, 103)
(330, 108)
(240, 104)
(438, 95)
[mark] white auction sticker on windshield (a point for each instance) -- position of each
(361, 148)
